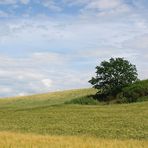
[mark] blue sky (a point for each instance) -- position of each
(50, 45)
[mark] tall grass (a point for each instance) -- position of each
(15, 140)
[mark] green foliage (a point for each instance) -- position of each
(135, 92)
(141, 99)
(112, 76)
(86, 100)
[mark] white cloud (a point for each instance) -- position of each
(22, 75)
(76, 2)
(51, 5)
(21, 94)
(138, 43)
(104, 8)
(24, 1)
(32, 31)
(103, 4)
(8, 1)
(47, 82)
(14, 1)
(5, 89)
(51, 57)
(31, 75)
(108, 9)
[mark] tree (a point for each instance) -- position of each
(112, 76)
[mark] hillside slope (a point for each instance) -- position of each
(47, 99)
(48, 115)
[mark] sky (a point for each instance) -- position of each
(53, 45)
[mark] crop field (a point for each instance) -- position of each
(45, 121)
(15, 140)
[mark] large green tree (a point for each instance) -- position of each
(113, 75)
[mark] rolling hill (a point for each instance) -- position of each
(45, 117)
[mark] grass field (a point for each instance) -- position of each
(47, 117)
(13, 140)
(43, 100)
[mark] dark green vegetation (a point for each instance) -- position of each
(135, 92)
(111, 77)
(86, 100)
(47, 114)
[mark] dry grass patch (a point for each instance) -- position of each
(15, 140)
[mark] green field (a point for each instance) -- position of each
(48, 115)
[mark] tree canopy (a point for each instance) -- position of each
(113, 75)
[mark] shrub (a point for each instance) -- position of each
(145, 98)
(134, 92)
(87, 100)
